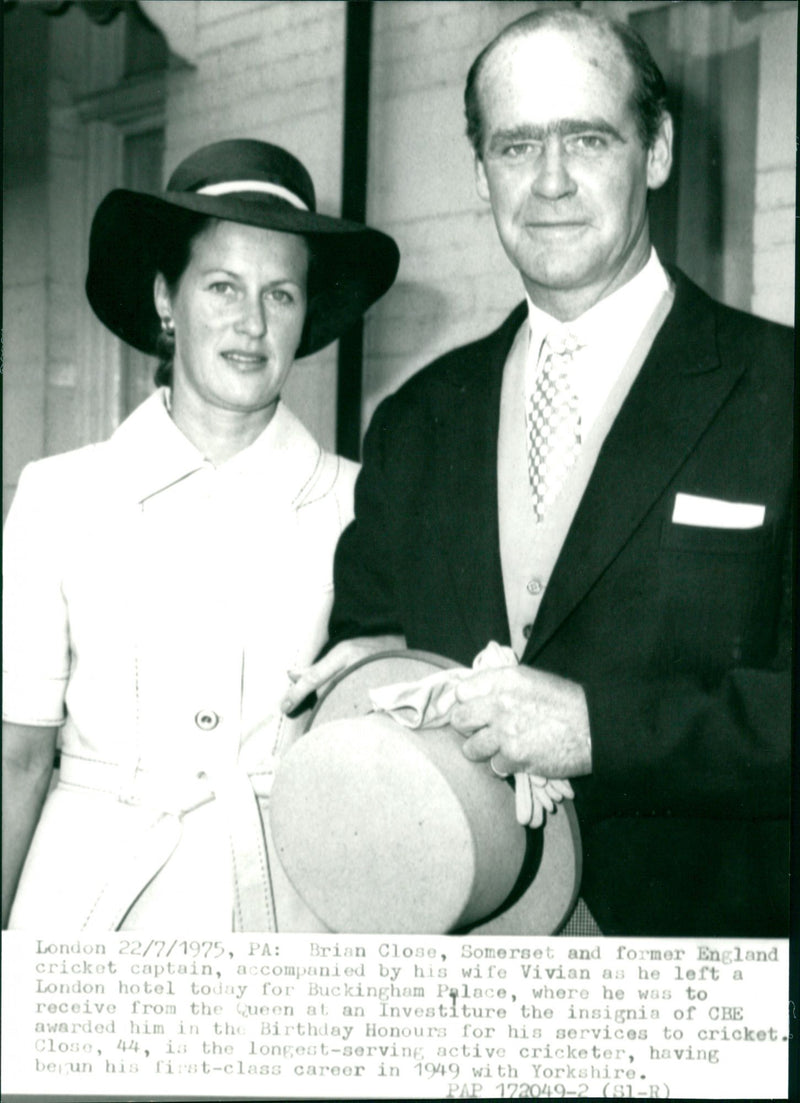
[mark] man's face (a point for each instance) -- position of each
(563, 166)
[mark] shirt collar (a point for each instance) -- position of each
(621, 316)
(155, 455)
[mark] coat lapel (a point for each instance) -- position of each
(678, 391)
(466, 484)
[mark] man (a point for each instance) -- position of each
(641, 567)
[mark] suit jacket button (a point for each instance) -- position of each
(526, 631)
(206, 720)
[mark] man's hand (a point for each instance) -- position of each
(526, 721)
(317, 676)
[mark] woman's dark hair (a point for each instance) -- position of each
(172, 259)
(649, 94)
(174, 251)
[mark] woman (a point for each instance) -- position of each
(160, 585)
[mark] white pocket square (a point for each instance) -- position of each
(714, 513)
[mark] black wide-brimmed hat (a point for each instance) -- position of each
(246, 181)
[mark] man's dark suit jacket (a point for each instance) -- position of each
(680, 635)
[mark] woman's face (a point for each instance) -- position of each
(238, 309)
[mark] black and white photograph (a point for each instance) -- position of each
(398, 549)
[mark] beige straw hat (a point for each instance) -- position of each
(384, 829)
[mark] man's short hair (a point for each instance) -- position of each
(649, 95)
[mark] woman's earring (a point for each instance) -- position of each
(168, 326)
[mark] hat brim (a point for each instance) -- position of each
(353, 264)
(547, 887)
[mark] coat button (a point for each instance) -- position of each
(535, 586)
(526, 631)
(206, 720)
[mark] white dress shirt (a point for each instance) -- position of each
(608, 333)
(616, 334)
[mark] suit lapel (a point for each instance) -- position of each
(466, 485)
(677, 393)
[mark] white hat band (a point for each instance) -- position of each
(231, 186)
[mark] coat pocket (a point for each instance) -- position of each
(720, 589)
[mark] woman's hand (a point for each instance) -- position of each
(318, 676)
(28, 756)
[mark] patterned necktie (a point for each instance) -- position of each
(554, 423)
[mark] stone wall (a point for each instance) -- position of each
(24, 247)
(776, 154)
